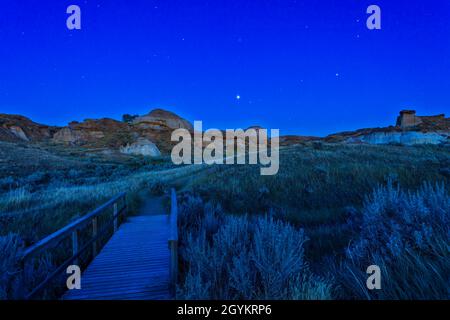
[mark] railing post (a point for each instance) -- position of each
(75, 245)
(115, 217)
(94, 235)
(125, 203)
(24, 280)
(173, 248)
(173, 244)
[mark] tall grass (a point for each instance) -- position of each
(34, 215)
(314, 186)
(10, 246)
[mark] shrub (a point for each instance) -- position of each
(393, 220)
(406, 234)
(10, 246)
(74, 174)
(37, 177)
(7, 183)
(243, 258)
(129, 118)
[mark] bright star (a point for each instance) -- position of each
(238, 97)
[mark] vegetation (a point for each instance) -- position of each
(406, 234)
(308, 232)
(228, 257)
(128, 118)
(357, 206)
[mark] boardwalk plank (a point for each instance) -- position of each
(134, 264)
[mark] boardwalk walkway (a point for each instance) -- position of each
(134, 264)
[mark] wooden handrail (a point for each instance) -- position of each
(173, 243)
(72, 230)
(55, 237)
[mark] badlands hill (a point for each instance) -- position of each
(146, 135)
(149, 135)
(409, 129)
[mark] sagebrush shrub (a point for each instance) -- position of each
(394, 220)
(229, 257)
(407, 235)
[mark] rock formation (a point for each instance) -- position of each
(134, 136)
(404, 138)
(410, 129)
(409, 119)
(150, 135)
(96, 133)
(143, 147)
(17, 128)
(159, 119)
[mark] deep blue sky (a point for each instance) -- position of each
(194, 57)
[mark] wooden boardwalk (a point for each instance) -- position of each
(134, 264)
(138, 262)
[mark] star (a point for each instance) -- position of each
(238, 97)
(337, 75)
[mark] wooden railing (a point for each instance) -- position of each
(72, 230)
(173, 243)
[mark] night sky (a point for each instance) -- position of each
(305, 67)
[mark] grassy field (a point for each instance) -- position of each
(308, 232)
(348, 206)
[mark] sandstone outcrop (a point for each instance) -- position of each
(143, 147)
(410, 129)
(404, 138)
(159, 119)
(409, 119)
(96, 133)
(17, 128)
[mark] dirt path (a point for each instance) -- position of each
(152, 206)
